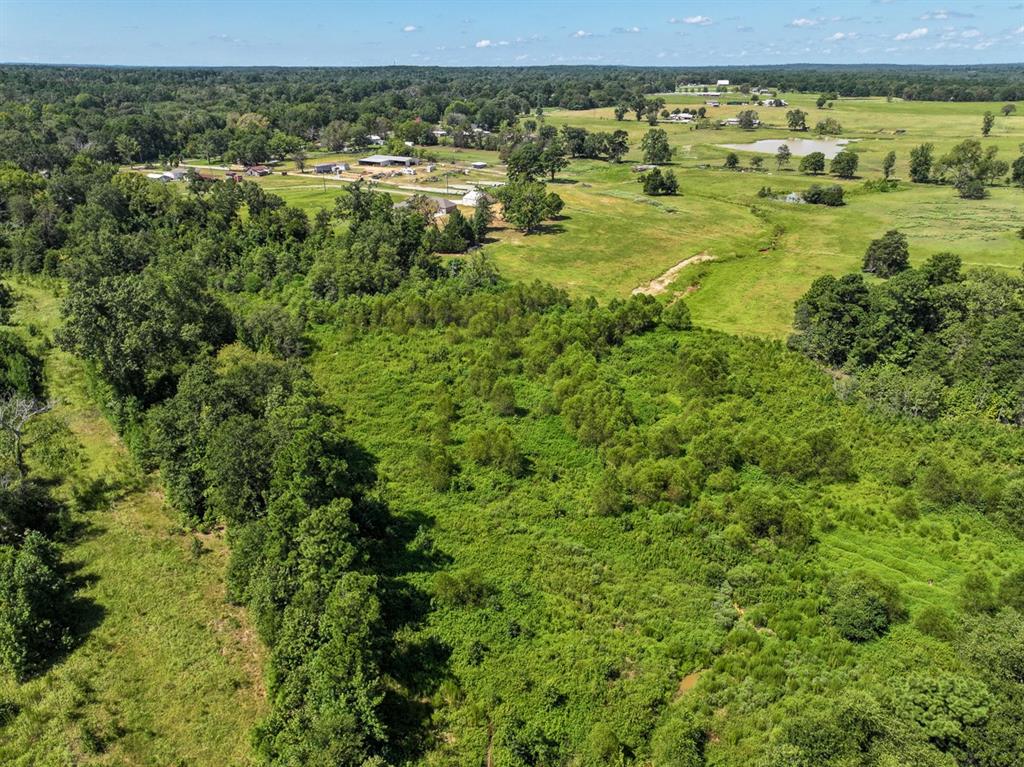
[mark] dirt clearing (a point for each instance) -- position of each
(660, 284)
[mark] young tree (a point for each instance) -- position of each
(822, 100)
(33, 605)
(830, 195)
(864, 606)
(1009, 109)
(638, 104)
(782, 157)
(845, 164)
(656, 147)
(6, 303)
(813, 164)
(620, 111)
(921, 163)
(888, 255)
(987, 122)
(756, 162)
(888, 163)
(732, 161)
(482, 217)
(797, 119)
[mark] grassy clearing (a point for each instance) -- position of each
(166, 673)
(767, 253)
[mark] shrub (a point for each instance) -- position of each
(863, 606)
(497, 448)
(977, 593)
(831, 195)
(503, 398)
(1011, 590)
(935, 622)
(677, 316)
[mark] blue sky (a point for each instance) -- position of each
(517, 32)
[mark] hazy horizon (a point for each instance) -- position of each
(225, 33)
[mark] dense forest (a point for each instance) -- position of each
(480, 521)
(50, 114)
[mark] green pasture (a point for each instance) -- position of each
(611, 238)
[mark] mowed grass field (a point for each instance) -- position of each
(768, 252)
(164, 671)
(611, 238)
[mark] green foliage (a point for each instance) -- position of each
(888, 163)
(921, 163)
(844, 164)
(936, 622)
(655, 182)
(656, 148)
(33, 605)
(813, 163)
(497, 447)
(978, 593)
(831, 195)
(987, 121)
(677, 316)
(526, 205)
(888, 255)
(828, 127)
(864, 607)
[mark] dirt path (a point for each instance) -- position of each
(660, 284)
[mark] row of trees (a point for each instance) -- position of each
(36, 584)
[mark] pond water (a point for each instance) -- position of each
(800, 147)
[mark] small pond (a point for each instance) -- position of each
(800, 147)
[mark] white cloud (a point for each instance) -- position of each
(971, 33)
(626, 30)
(943, 14)
(409, 28)
(803, 22)
(912, 35)
(842, 36)
(579, 33)
(699, 20)
(1019, 30)
(484, 43)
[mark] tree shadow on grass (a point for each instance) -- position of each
(552, 228)
(76, 617)
(400, 546)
